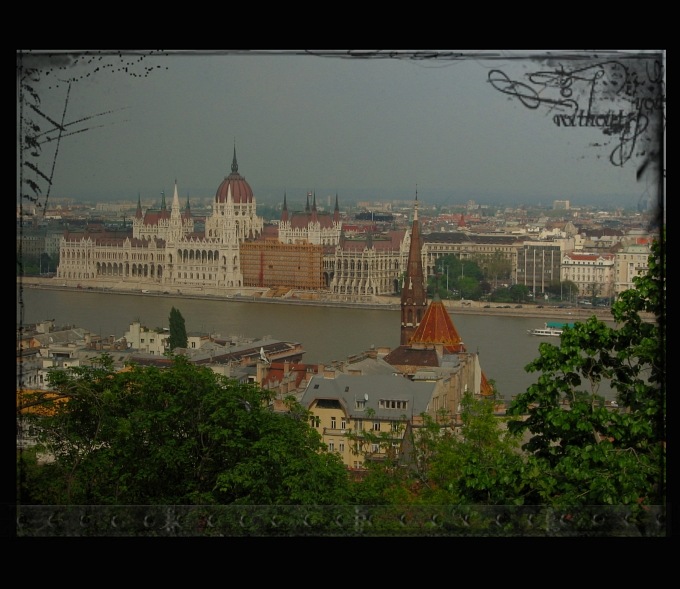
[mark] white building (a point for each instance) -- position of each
(164, 251)
(631, 261)
(593, 274)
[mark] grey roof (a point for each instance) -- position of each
(62, 337)
(366, 365)
(348, 389)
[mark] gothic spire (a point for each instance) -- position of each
(413, 293)
(234, 163)
(284, 212)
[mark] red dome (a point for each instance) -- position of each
(241, 192)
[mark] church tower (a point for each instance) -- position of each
(413, 289)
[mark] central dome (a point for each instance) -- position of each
(241, 192)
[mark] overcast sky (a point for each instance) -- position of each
(496, 127)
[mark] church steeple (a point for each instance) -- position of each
(413, 290)
(138, 212)
(314, 215)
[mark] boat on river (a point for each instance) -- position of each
(550, 329)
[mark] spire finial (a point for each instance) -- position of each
(415, 211)
(234, 163)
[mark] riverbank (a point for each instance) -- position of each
(388, 303)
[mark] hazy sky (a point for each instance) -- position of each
(499, 126)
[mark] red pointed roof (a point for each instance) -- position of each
(436, 327)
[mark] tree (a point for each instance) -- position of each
(181, 435)
(178, 330)
(476, 462)
(583, 452)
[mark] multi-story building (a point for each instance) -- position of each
(631, 261)
(312, 226)
(271, 264)
(367, 265)
(149, 341)
(345, 407)
(539, 262)
(165, 251)
(593, 274)
(481, 248)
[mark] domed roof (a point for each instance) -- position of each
(241, 192)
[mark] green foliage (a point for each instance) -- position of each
(475, 462)
(178, 331)
(179, 435)
(583, 452)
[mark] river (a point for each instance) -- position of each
(326, 333)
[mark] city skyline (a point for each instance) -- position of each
(494, 126)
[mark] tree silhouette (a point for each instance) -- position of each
(178, 330)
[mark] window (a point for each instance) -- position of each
(376, 426)
(391, 404)
(342, 446)
(395, 426)
(343, 423)
(360, 404)
(331, 446)
(375, 448)
(359, 425)
(332, 422)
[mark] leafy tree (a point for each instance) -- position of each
(583, 452)
(481, 465)
(475, 462)
(180, 435)
(178, 331)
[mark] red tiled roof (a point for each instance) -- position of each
(153, 217)
(302, 220)
(436, 327)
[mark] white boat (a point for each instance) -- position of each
(550, 329)
(545, 331)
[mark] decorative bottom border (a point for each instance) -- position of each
(319, 520)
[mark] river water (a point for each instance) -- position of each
(326, 333)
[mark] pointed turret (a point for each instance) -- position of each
(234, 163)
(413, 292)
(284, 212)
(138, 212)
(314, 215)
(307, 205)
(175, 200)
(336, 211)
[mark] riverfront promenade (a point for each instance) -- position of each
(548, 311)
